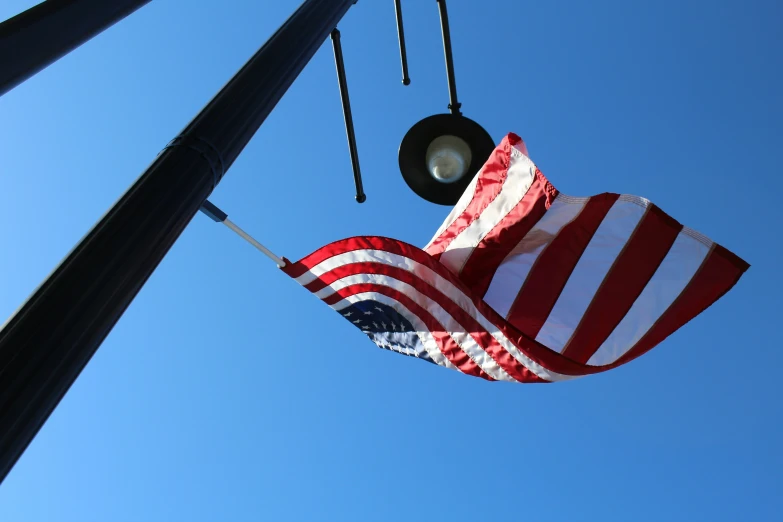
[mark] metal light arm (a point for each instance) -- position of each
(454, 105)
(406, 80)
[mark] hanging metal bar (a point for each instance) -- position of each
(406, 80)
(454, 105)
(338, 60)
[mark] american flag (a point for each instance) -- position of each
(522, 283)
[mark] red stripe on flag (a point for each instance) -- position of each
(446, 344)
(551, 271)
(351, 244)
(630, 273)
(469, 323)
(719, 272)
(501, 240)
(489, 184)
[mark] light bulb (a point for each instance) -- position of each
(448, 158)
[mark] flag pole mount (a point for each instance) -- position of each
(217, 215)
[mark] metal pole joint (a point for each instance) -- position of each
(205, 149)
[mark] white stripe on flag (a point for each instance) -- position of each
(429, 342)
(521, 173)
(513, 271)
(591, 269)
(441, 284)
(672, 276)
(458, 209)
(457, 331)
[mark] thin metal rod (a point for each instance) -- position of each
(247, 237)
(33, 39)
(45, 345)
(338, 60)
(406, 80)
(454, 105)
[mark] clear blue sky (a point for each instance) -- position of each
(227, 392)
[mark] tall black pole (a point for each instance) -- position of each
(32, 40)
(46, 344)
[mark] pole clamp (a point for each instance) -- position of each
(205, 149)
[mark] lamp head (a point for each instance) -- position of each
(441, 154)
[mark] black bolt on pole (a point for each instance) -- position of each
(346, 101)
(32, 40)
(454, 105)
(48, 341)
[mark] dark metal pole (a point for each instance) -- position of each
(406, 80)
(346, 101)
(48, 341)
(32, 40)
(454, 105)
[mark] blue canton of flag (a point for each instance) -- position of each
(386, 328)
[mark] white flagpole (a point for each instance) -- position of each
(244, 235)
(221, 217)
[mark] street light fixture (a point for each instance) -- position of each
(440, 155)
